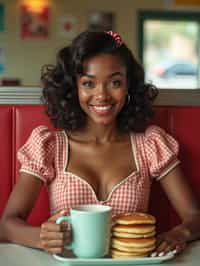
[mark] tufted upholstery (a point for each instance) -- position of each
(17, 122)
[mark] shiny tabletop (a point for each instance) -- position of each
(16, 255)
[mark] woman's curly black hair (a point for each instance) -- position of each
(60, 84)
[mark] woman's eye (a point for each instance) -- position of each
(116, 83)
(88, 84)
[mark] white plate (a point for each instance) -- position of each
(110, 261)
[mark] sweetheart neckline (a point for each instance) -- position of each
(112, 190)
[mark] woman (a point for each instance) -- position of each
(105, 151)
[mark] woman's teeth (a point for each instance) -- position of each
(102, 108)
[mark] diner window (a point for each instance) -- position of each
(169, 47)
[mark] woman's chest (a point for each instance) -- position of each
(129, 195)
(102, 167)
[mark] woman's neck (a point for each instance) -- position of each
(99, 134)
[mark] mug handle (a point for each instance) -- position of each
(59, 221)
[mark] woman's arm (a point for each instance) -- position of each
(13, 226)
(21, 201)
(187, 207)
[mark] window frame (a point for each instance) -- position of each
(170, 96)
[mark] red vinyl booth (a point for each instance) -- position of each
(17, 122)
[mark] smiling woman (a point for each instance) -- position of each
(104, 152)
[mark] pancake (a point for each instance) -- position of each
(134, 218)
(131, 235)
(115, 253)
(136, 229)
(132, 242)
(140, 250)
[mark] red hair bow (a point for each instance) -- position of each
(116, 36)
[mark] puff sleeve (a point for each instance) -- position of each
(37, 154)
(161, 152)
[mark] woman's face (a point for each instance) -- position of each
(102, 88)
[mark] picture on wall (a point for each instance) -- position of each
(68, 26)
(2, 17)
(101, 21)
(34, 23)
(2, 60)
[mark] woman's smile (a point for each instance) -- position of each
(102, 110)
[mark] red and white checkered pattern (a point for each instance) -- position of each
(45, 154)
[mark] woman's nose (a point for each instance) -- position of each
(102, 92)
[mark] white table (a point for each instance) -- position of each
(16, 255)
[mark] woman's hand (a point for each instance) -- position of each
(172, 241)
(54, 236)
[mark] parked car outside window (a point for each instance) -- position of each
(174, 74)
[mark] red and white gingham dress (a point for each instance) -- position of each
(45, 155)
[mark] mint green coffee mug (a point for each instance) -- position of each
(91, 226)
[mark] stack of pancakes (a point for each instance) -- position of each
(133, 235)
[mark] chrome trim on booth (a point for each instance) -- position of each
(20, 95)
(167, 97)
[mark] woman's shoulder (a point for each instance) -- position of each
(37, 154)
(155, 137)
(41, 133)
(154, 131)
(157, 140)
(44, 136)
(151, 131)
(41, 141)
(44, 132)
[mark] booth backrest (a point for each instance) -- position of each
(17, 122)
